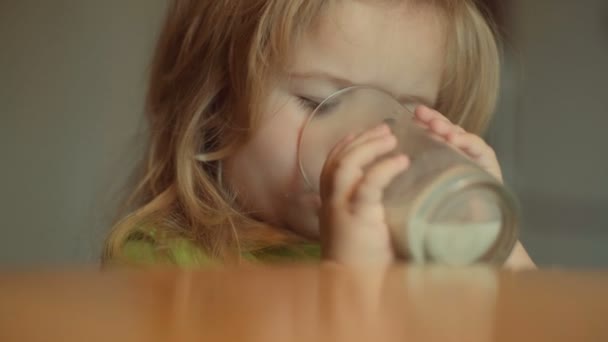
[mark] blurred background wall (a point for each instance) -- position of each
(550, 129)
(72, 80)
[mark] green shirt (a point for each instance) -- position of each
(185, 253)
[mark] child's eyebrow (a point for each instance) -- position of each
(340, 83)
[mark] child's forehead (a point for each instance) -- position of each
(352, 20)
(381, 12)
(397, 46)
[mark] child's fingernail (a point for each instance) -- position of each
(422, 109)
(383, 128)
(348, 137)
(404, 160)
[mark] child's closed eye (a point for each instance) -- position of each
(307, 103)
(310, 104)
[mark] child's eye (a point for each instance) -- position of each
(311, 105)
(307, 103)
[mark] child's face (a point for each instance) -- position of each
(398, 48)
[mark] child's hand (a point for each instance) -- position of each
(478, 150)
(470, 144)
(352, 220)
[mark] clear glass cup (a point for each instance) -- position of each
(444, 208)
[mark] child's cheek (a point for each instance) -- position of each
(265, 170)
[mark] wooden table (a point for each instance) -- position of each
(305, 304)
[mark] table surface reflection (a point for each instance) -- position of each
(308, 303)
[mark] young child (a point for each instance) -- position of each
(232, 83)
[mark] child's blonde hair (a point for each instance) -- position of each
(209, 76)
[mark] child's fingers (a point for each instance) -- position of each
(435, 121)
(343, 147)
(347, 169)
(378, 177)
(478, 150)
(340, 146)
(425, 114)
(366, 136)
(471, 144)
(441, 127)
(354, 139)
(326, 182)
(441, 130)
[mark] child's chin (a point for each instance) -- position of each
(308, 231)
(303, 218)
(301, 214)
